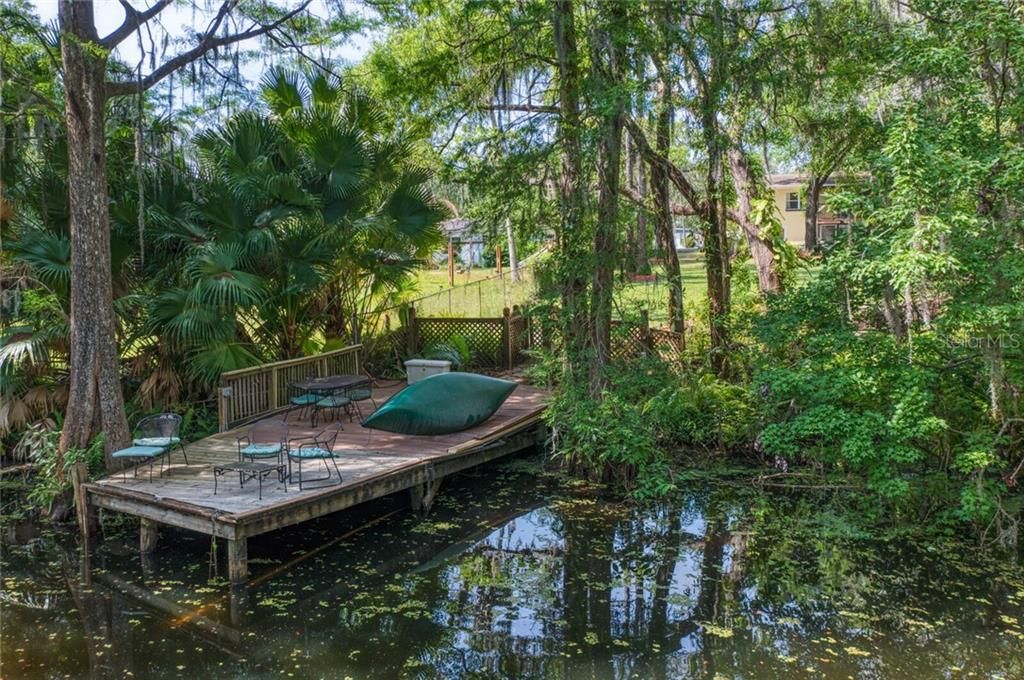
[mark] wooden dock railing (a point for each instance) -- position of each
(249, 393)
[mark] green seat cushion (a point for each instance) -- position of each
(440, 404)
(139, 452)
(333, 402)
(304, 399)
(310, 452)
(261, 450)
(359, 395)
(156, 441)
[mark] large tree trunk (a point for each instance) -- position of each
(95, 402)
(605, 251)
(513, 260)
(573, 243)
(761, 249)
(716, 250)
(811, 204)
(630, 161)
(640, 236)
(636, 231)
(663, 222)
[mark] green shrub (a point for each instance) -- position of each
(702, 413)
(608, 439)
(53, 471)
(907, 416)
(651, 411)
(455, 349)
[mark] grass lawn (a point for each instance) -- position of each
(480, 292)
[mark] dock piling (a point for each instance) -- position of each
(421, 496)
(148, 534)
(238, 560)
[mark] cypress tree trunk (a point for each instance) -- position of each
(95, 402)
(513, 260)
(716, 249)
(717, 253)
(629, 161)
(761, 250)
(609, 165)
(572, 233)
(811, 213)
(640, 236)
(663, 224)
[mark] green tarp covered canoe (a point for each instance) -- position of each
(440, 404)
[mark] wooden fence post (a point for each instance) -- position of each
(222, 410)
(645, 330)
(273, 389)
(497, 259)
(451, 266)
(506, 336)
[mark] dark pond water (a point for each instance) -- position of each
(514, 576)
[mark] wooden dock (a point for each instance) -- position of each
(372, 464)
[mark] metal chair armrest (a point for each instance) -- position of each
(299, 441)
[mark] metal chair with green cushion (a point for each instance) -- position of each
(150, 453)
(263, 441)
(331, 402)
(156, 441)
(318, 447)
(162, 430)
(359, 394)
(300, 400)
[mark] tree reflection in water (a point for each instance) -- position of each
(514, 579)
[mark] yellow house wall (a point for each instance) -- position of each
(792, 220)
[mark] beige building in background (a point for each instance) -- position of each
(790, 190)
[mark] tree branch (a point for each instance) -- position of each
(208, 42)
(524, 108)
(133, 19)
(638, 200)
(653, 158)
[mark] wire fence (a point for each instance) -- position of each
(480, 298)
(483, 297)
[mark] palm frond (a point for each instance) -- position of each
(208, 363)
(284, 90)
(48, 255)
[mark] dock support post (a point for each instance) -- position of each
(148, 533)
(238, 560)
(238, 605)
(88, 516)
(421, 496)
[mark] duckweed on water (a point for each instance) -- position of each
(514, 575)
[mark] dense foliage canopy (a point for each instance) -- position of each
(890, 358)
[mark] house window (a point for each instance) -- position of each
(793, 201)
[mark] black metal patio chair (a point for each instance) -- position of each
(361, 393)
(335, 401)
(263, 441)
(318, 447)
(162, 430)
(300, 400)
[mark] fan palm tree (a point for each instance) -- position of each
(301, 218)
